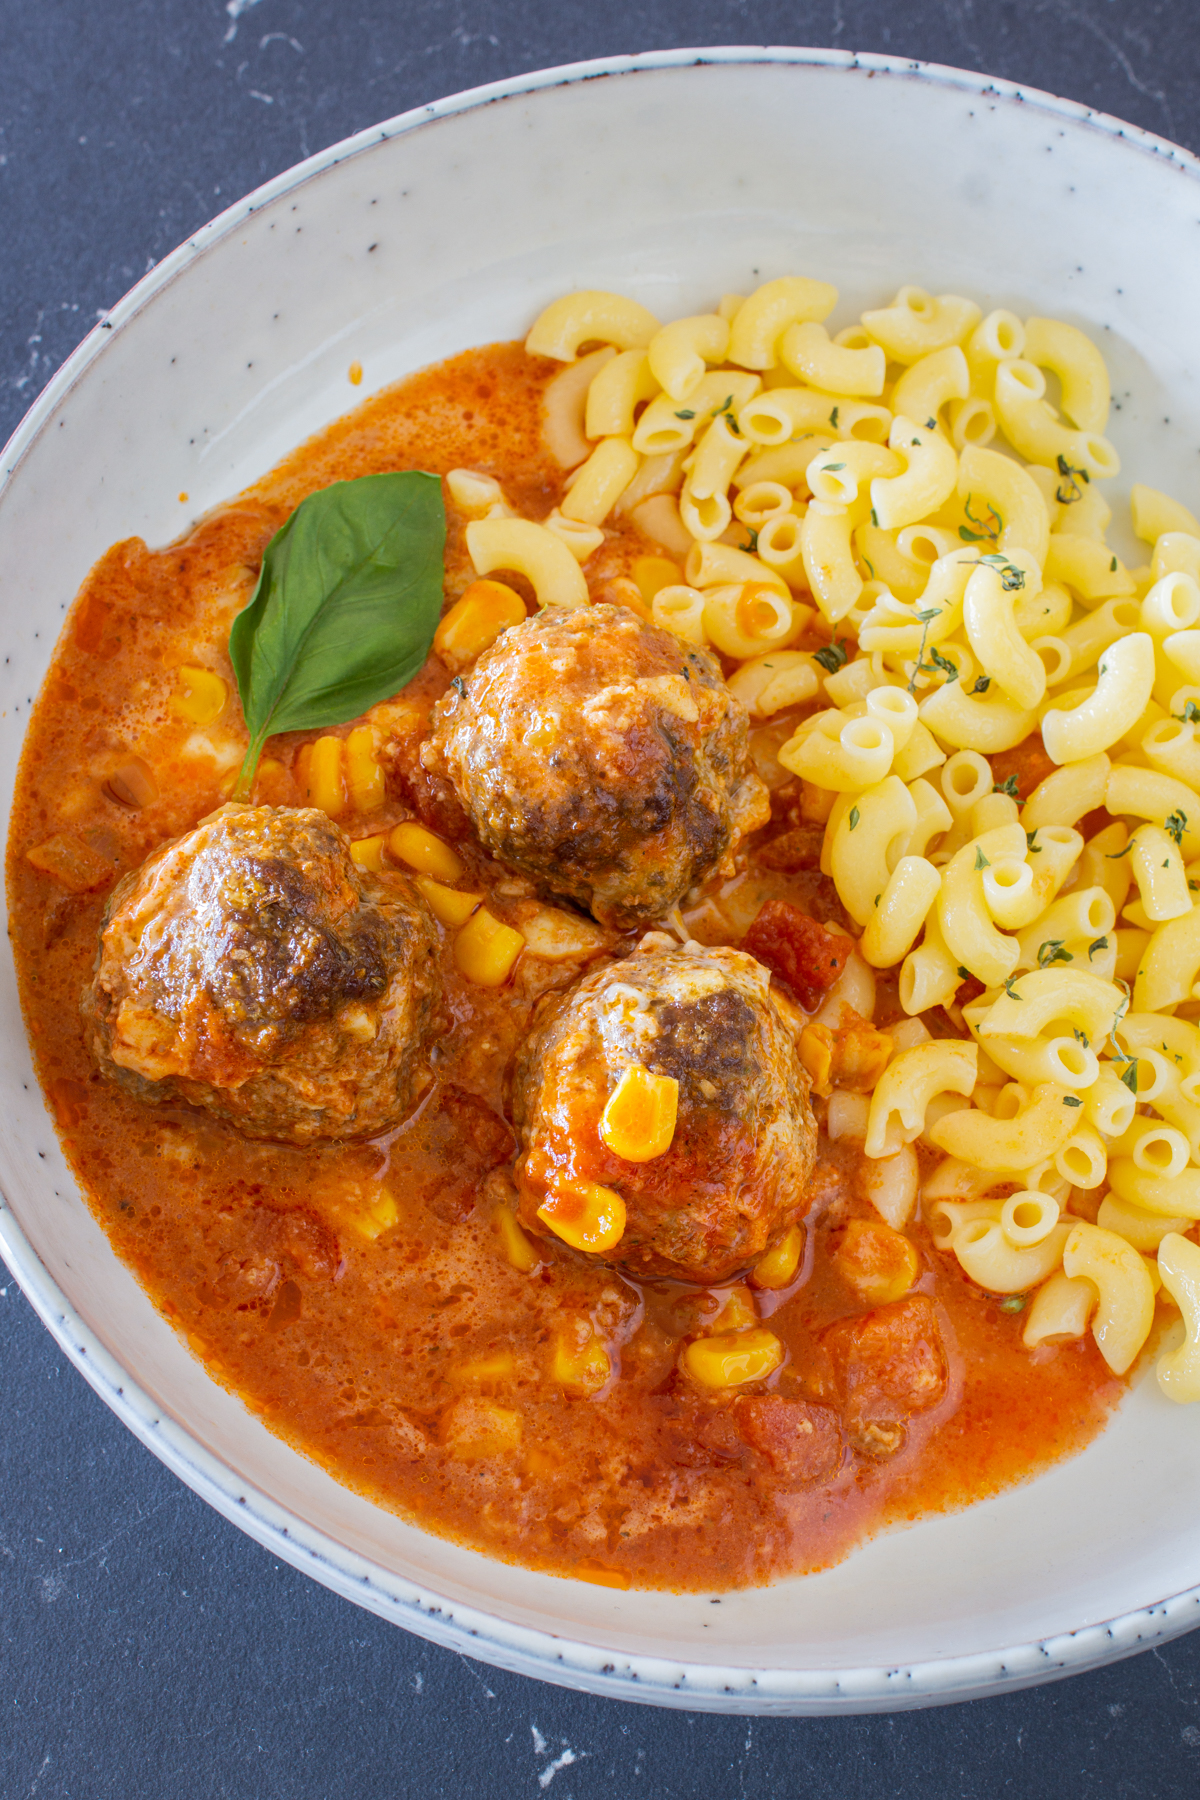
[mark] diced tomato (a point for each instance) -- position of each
(798, 950)
(799, 848)
(801, 1441)
(889, 1364)
(1027, 761)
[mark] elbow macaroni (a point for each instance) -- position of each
(901, 608)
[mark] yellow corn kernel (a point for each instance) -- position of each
(326, 786)
(368, 852)
(485, 950)
(585, 1215)
(815, 1050)
(475, 622)
(736, 1357)
(639, 1120)
(778, 1267)
(539, 1462)
(476, 1428)
(877, 1262)
(364, 777)
(378, 1215)
(199, 696)
(738, 1313)
(580, 1369)
(499, 1366)
(600, 1576)
(653, 573)
(519, 1251)
(421, 850)
(447, 905)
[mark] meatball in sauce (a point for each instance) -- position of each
(252, 968)
(603, 757)
(737, 1171)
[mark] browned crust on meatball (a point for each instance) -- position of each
(251, 968)
(602, 756)
(737, 1173)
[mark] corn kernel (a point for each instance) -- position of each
(653, 573)
(518, 1250)
(600, 1576)
(639, 1120)
(730, 1360)
(422, 851)
(199, 696)
(878, 1263)
(447, 905)
(372, 1220)
(475, 622)
(778, 1267)
(368, 853)
(815, 1050)
(585, 1215)
(326, 787)
(485, 950)
(499, 1366)
(477, 1428)
(580, 1369)
(539, 1462)
(738, 1313)
(364, 777)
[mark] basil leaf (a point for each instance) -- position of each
(345, 608)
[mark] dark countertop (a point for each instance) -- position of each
(148, 1651)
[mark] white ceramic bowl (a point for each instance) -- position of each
(673, 177)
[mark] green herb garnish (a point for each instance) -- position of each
(831, 656)
(345, 609)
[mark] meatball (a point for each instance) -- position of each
(737, 1172)
(252, 968)
(602, 756)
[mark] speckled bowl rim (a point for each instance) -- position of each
(541, 1654)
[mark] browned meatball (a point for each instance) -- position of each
(602, 756)
(252, 968)
(737, 1172)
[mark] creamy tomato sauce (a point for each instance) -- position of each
(356, 1297)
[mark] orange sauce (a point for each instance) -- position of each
(357, 1297)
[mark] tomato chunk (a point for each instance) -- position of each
(888, 1364)
(1027, 761)
(801, 1441)
(798, 950)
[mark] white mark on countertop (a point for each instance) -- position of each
(267, 99)
(551, 1770)
(1191, 1736)
(280, 37)
(539, 1742)
(33, 1786)
(418, 1681)
(469, 1666)
(235, 9)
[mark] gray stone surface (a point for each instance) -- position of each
(148, 1651)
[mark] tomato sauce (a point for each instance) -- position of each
(356, 1297)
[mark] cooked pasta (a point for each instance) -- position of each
(977, 623)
